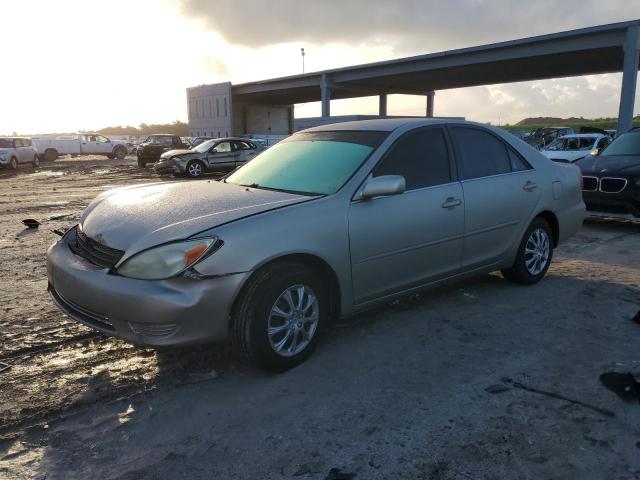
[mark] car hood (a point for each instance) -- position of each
(173, 153)
(141, 216)
(569, 156)
(618, 165)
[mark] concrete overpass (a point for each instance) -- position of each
(593, 50)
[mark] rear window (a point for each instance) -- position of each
(480, 153)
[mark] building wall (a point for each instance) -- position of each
(210, 110)
(262, 119)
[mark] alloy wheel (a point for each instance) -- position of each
(536, 252)
(293, 320)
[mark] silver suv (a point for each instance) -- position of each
(16, 150)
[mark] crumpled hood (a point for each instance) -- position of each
(141, 216)
(569, 156)
(618, 165)
(173, 153)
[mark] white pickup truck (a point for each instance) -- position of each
(50, 147)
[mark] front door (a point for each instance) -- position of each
(405, 240)
(500, 190)
(222, 156)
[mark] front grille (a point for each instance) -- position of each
(82, 314)
(94, 252)
(590, 184)
(612, 185)
(157, 330)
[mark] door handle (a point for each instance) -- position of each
(529, 186)
(451, 202)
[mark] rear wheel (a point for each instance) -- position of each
(194, 169)
(13, 163)
(120, 153)
(36, 161)
(534, 254)
(279, 317)
(50, 155)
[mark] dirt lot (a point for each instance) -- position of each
(399, 393)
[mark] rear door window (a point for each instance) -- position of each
(480, 154)
(421, 157)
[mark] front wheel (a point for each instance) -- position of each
(13, 163)
(279, 317)
(194, 169)
(534, 255)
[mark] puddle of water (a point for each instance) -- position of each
(47, 173)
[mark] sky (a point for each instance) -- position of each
(87, 64)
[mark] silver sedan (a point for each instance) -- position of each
(331, 221)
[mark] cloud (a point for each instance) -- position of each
(415, 26)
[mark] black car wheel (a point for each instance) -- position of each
(120, 152)
(194, 169)
(36, 161)
(534, 254)
(141, 162)
(13, 163)
(279, 316)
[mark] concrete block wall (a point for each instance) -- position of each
(210, 110)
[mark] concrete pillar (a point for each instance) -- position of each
(431, 95)
(325, 95)
(382, 105)
(629, 80)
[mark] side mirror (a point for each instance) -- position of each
(595, 152)
(383, 186)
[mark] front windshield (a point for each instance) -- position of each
(625, 144)
(571, 144)
(310, 163)
(204, 146)
(6, 143)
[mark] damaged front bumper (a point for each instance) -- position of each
(177, 311)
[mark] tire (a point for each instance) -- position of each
(36, 161)
(141, 162)
(13, 163)
(534, 255)
(254, 314)
(120, 153)
(110, 156)
(195, 169)
(50, 155)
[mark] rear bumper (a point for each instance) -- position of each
(172, 312)
(570, 220)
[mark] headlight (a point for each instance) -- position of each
(168, 260)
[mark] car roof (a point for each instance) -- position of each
(387, 124)
(584, 135)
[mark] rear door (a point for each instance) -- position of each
(405, 240)
(500, 189)
(222, 156)
(246, 151)
(19, 149)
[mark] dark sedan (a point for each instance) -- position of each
(611, 180)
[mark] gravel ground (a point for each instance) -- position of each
(397, 393)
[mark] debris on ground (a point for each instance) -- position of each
(497, 388)
(336, 474)
(622, 384)
(200, 377)
(602, 411)
(31, 222)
